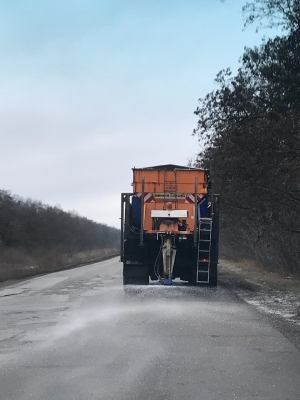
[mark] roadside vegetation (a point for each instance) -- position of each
(251, 129)
(37, 238)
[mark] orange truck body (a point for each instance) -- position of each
(176, 187)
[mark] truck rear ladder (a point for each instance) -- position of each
(204, 250)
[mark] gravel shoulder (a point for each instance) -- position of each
(275, 295)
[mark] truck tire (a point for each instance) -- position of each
(192, 281)
(135, 275)
(213, 276)
(133, 280)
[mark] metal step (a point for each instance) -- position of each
(203, 280)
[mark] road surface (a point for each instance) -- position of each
(77, 335)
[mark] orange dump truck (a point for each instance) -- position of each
(170, 226)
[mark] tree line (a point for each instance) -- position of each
(251, 129)
(31, 225)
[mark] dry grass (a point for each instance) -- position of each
(17, 263)
(252, 272)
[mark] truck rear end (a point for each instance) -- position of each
(170, 226)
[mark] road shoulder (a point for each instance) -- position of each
(275, 295)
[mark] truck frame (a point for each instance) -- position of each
(170, 227)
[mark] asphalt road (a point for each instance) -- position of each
(77, 335)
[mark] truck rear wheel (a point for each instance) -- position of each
(213, 275)
(135, 274)
(133, 280)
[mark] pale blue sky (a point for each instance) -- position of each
(90, 89)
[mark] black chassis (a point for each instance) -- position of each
(140, 253)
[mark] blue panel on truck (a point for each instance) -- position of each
(202, 207)
(136, 211)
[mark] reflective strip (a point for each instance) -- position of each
(190, 198)
(148, 197)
